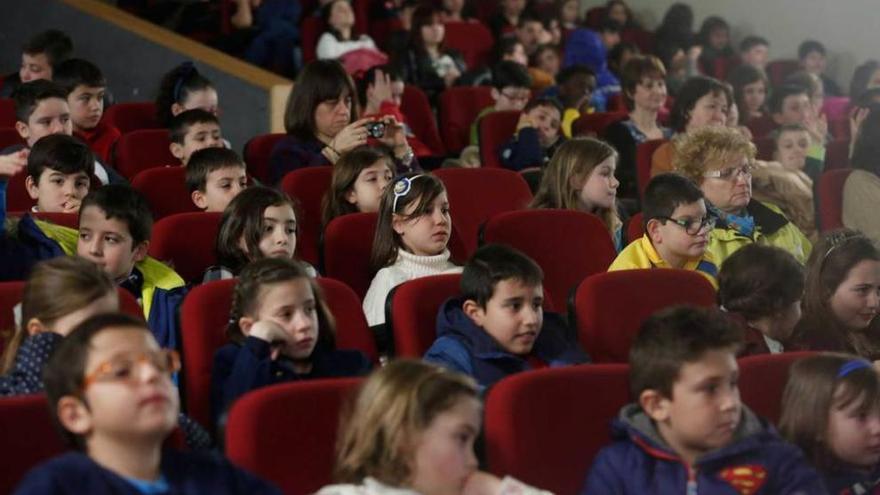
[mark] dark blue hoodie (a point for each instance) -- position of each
(757, 461)
(464, 347)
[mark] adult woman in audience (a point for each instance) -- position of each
(701, 102)
(750, 89)
(644, 92)
(321, 123)
(861, 191)
(426, 63)
(720, 160)
(339, 38)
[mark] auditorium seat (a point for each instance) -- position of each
(308, 186)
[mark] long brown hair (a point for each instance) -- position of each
(574, 160)
(830, 262)
(814, 387)
(346, 171)
(56, 288)
(394, 405)
(423, 190)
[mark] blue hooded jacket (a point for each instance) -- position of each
(757, 461)
(464, 347)
(585, 47)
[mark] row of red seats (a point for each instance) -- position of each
(542, 427)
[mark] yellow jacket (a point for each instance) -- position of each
(771, 228)
(641, 254)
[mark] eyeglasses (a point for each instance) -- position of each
(692, 227)
(730, 173)
(122, 368)
(517, 96)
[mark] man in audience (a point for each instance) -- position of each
(510, 89)
(38, 57)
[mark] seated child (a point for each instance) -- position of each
(41, 109)
(214, 176)
(399, 435)
(184, 88)
(761, 287)
(687, 430)
(413, 230)
(790, 105)
(39, 56)
(831, 410)
(754, 51)
(581, 177)
(676, 230)
(510, 89)
(811, 55)
(497, 327)
(360, 177)
(258, 223)
(110, 393)
(59, 173)
(193, 130)
(85, 86)
(537, 136)
(574, 90)
(280, 330)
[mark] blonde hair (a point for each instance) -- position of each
(707, 148)
(394, 405)
(575, 158)
(56, 288)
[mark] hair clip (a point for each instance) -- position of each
(853, 365)
(186, 69)
(839, 238)
(402, 188)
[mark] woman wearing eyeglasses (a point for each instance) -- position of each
(720, 161)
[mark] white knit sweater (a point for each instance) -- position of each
(407, 267)
(370, 486)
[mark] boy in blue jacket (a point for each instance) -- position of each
(688, 432)
(498, 326)
(537, 136)
(110, 393)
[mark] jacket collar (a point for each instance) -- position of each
(767, 221)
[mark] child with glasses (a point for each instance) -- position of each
(110, 393)
(412, 233)
(677, 229)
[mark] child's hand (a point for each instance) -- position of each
(13, 163)
(524, 121)
(351, 136)
(71, 206)
(817, 126)
(270, 332)
(694, 52)
(481, 483)
(856, 117)
(451, 76)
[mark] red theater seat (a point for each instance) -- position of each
(644, 153)
(256, 155)
(348, 242)
(412, 312)
(610, 307)
(478, 194)
(420, 118)
(7, 112)
(132, 116)
(287, 433)
(472, 39)
(778, 70)
(594, 124)
(459, 107)
(830, 198)
(186, 242)
(308, 186)
(837, 154)
(9, 137)
(545, 427)
(762, 379)
(139, 150)
(165, 190)
(634, 228)
(29, 438)
(496, 129)
(568, 245)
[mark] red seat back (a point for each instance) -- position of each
(459, 107)
(611, 307)
(287, 433)
(420, 118)
(7, 112)
(830, 198)
(132, 116)
(594, 124)
(256, 155)
(761, 127)
(310, 30)
(762, 379)
(478, 194)
(639, 37)
(644, 153)
(835, 108)
(139, 150)
(412, 314)
(352, 331)
(545, 427)
(837, 154)
(29, 438)
(308, 186)
(190, 254)
(9, 136)
(778, 70)
(496, 129)
(472, 39)
(348, 242)
(635, 228)
(568, 245)
(17, 197)
(765, 148)
(165, 190)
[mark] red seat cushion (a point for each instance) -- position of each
(472, 39)
(644, 153)
(459, 107)
(762, 379)
(132, 116)
(412, 314)
(190, 254)
(348, 242)
(420, 118)
(308, 186)
(139, 150)
(496, 129)
(830, 198)
(611, 307)
(256, 155)
(29, 438)
(165, 190)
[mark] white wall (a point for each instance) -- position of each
(850, 29)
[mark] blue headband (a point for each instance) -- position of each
(401, 188)
(853, 365)
(186, 70)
